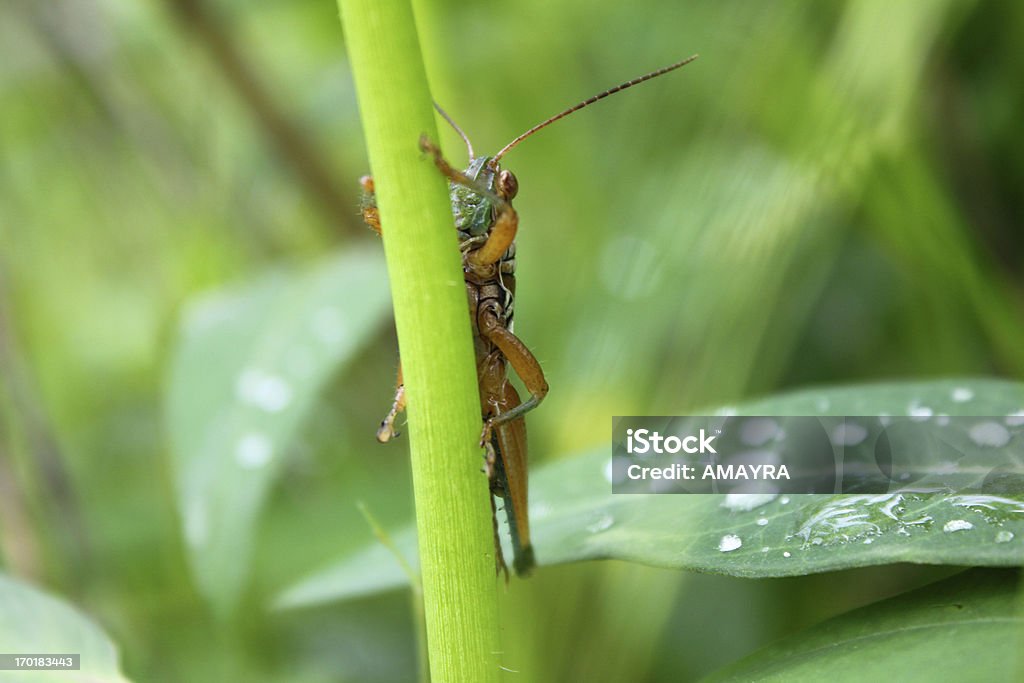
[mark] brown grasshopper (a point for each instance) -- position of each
(486, 223)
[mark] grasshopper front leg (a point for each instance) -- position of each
(506, 223)
(386, 431)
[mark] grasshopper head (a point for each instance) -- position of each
(474, 212)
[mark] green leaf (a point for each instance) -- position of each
(574, 515)
(964, 628)
(248, 366)
(33, 622)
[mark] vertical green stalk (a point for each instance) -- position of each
(452, 509)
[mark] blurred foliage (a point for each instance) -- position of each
(33, 622)
(931, 633)
(831, 193)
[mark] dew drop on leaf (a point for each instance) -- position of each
(991, 434)
(729, 542)
(253, 451)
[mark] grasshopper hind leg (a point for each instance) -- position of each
(523, 559)
(506, 451)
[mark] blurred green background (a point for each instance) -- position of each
(831, 193)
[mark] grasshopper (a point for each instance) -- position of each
(486, 223)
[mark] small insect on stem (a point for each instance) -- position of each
(486, 223)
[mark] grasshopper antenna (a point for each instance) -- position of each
(587, 102)
(469, 145)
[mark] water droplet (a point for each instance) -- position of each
(787, 554)
(962, 395)
(729, 542)
(836, 523)
(1004, 537)
(784, 500)
(995, 509)
(891, 506)
(765, 549)
(957, 525)
(918, 412)
(822, 405)
(762, 521)
(329, 326)
(1015, 419)
(263, 390)
(609, 471)
(848, 434)
(758, 431)
(603, 523)
(253, 451)
(868, 541)
(989, 434)
(852, 518)
(745, 502)
(726, 411)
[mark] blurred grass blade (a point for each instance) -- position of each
(248, 365)
(374, 569)
(964, 628)
(33, 622)
(576, 517)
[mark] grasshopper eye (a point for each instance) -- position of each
(508, 185)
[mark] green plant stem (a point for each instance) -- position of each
(452, 509)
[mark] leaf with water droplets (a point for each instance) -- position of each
(248, 364)
(575, 516)
(32, 621)
(965, 628)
